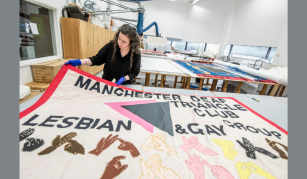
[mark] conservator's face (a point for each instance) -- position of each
(123, 41)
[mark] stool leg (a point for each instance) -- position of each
(274, 90)
(201, 82)
(162, 80)
(239, 87)
(156, 80)
(188, 83)
(147, 79)
(281, 91)
(175, 83)
(263, 89)
(225, 86)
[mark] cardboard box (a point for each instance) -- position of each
(45, 72)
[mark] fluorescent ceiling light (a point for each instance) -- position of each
(193, 1)
(172, 0)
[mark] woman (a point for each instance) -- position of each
(121, 56)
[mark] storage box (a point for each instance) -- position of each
(45, 72)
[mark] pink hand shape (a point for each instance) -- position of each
(192, 142)
(186, 146)
(204, 150)
(196, 166)
(219, 171)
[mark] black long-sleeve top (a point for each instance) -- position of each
(119, 67)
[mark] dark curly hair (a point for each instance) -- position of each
(133, 36)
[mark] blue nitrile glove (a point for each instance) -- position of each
(74, 62)
(120, 81)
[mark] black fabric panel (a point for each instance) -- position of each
(157, 114)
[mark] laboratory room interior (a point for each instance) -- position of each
(201, 50)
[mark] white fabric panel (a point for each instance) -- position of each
(159, 65)
(24, 91)
(65, 135)
(273, 77)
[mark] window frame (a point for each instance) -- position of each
(195, 42)
(57, 35)
(186, 43)
(266, 57)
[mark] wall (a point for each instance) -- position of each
(282, 49)
(170, 17)
(202, 22)
(205, 21)
(258, 22)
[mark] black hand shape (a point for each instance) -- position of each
(249, 148)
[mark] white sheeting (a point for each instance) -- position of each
(24, 91)
(160, 65)
(260, 73)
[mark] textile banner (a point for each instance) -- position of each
(86, 127)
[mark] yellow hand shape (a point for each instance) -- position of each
(162, 146)
(158, 142)
(243, 170)
(148, 143)
(226, 146)
(154, 161)
(259, 171)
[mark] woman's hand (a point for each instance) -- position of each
(120, 81)
(74, 62)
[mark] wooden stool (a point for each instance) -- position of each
(38, 86)
(156, 81)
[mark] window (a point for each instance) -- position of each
(36, 32)
(179, 45)
(213, 48)
(255, 51)
(226, 50)
(168, 43)
(272, 54)
(196, 46)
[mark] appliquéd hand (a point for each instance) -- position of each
(103, 144)
(219, 171)
(120, 81)
(196, 166)
(128, 146)
(114, 168)
(74, 62)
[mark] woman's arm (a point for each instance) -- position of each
(101, 56)
(86, 61)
